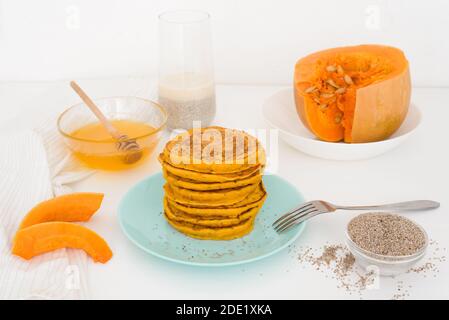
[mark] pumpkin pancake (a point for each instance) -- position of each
(214, 150)
(209, 177)
(208, 221)
(255, 199)
(201, 186)
(213, 198)
(214, 187)
(213, 233)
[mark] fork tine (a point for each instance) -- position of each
(298, 220)
(303, 206)
(292, 223)
(295, 217)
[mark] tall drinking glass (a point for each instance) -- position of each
(186, 77)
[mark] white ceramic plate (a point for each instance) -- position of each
(279, 112)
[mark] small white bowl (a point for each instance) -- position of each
(279, 112)
(385, 265)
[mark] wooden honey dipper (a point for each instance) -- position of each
(130, 147)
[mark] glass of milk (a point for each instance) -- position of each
(186, 77)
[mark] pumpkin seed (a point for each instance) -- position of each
(331, 68)
(326, 95)
(323, 106)
(340, 90)
(310, 89)
(338, 118)
(348, 79)
(340, 69)
(332, 83)
(316, 100)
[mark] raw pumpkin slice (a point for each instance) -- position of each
(70, 207)
(48, 236)
(355, 94)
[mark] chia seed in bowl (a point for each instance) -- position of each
(389, 242)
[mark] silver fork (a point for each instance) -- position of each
(311, 209)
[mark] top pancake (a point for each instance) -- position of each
(209, 177)
(214, 150)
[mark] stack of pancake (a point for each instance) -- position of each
(214, 186)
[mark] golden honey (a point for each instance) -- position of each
(95, 147)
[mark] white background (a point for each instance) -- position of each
(255, 41)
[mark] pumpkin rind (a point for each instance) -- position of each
(381, 108)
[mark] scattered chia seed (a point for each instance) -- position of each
(337, 259)
(386, 234)
(337, 263)
(329, 254)
(426, 267)
(347, 263)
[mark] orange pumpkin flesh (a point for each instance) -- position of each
(49, 236)
(71, 207)
(355, 94)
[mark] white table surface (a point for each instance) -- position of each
(416, 170)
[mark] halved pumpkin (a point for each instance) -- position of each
(355, 94)
(48, 236)
(70, 207)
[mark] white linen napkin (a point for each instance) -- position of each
(35, 166)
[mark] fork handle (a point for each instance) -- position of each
(405, 206)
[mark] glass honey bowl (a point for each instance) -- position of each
(140, 119)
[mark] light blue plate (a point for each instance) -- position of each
(141, 218)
